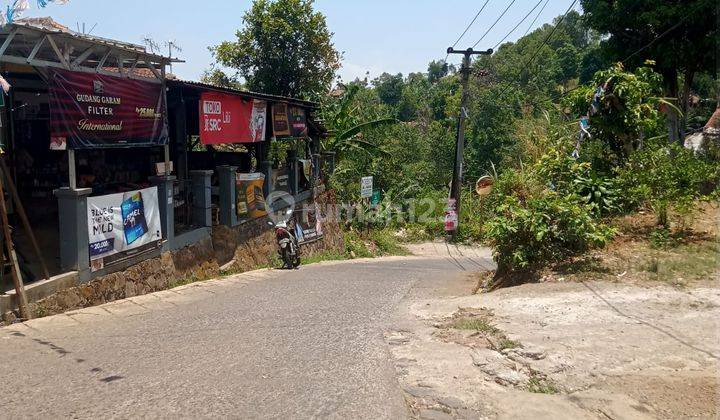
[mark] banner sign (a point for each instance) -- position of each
(124, 221)
(309, 225)
(228, 118)
(289, 121)
(93, 111)
(249, 196)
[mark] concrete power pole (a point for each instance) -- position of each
(452, 215)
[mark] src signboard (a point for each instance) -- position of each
(93, 111)
(228, 118)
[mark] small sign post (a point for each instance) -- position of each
(366, 187)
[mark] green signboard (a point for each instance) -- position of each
(375, 198)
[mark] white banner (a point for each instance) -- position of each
(124, 221)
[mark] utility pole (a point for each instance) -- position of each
(452, 214)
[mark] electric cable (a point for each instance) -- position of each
(547, 39)
(495, 23)
(518, 25)
(471, 24)
(536, 17)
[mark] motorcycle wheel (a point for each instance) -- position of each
(287, 259)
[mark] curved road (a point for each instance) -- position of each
(265, 344)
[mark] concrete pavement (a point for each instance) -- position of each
(265, 344)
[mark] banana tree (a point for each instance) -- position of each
(347, 131)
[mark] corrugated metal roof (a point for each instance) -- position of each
(256, 95)
(48, 25)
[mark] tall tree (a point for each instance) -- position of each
(681, 36)
(283, 48)
(437, 70)
(389, 88)
(217, 77)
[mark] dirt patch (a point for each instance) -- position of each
(670, 396)
(586, 349)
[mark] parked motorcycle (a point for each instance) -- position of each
(289, 248)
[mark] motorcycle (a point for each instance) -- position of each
(287, 242)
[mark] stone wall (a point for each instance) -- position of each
(253, 244)
(242, 248)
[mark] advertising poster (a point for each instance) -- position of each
(280, 180)
(123, 221)
(451, 216)
(309, 225)
(93, 111)
(228, 118)
(281, 124)
(289, 121)
(298, 122)
(249, 196)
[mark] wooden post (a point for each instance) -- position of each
(23, 217)
(16, 276)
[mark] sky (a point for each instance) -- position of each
(375, 36)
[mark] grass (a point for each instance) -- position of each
(355, 246)
(695, 261)
(505, 343)
(474, 324)
(498, 340)
(182, 281)
(324, 256)
(539, 385)
(374, 243)
(386, 243)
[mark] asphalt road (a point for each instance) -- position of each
(267, 344)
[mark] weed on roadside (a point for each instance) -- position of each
(354, 246)
(324, 256)
(475, 324)
(387, 243)
(540, 385)
(183, 281)
(505, 343)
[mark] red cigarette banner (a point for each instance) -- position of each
(228, 118)
(93, 111)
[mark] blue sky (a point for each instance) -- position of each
(396, 36)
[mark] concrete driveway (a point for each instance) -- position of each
(266, 344)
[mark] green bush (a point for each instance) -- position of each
(527, 235)
(665, 178)
(355, 246)
(386, 243)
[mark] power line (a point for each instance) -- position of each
(636, 52)
(547, 39)
(495, 23)
(536, 17)
(672, 28)
(469, 26)
(518, 25)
